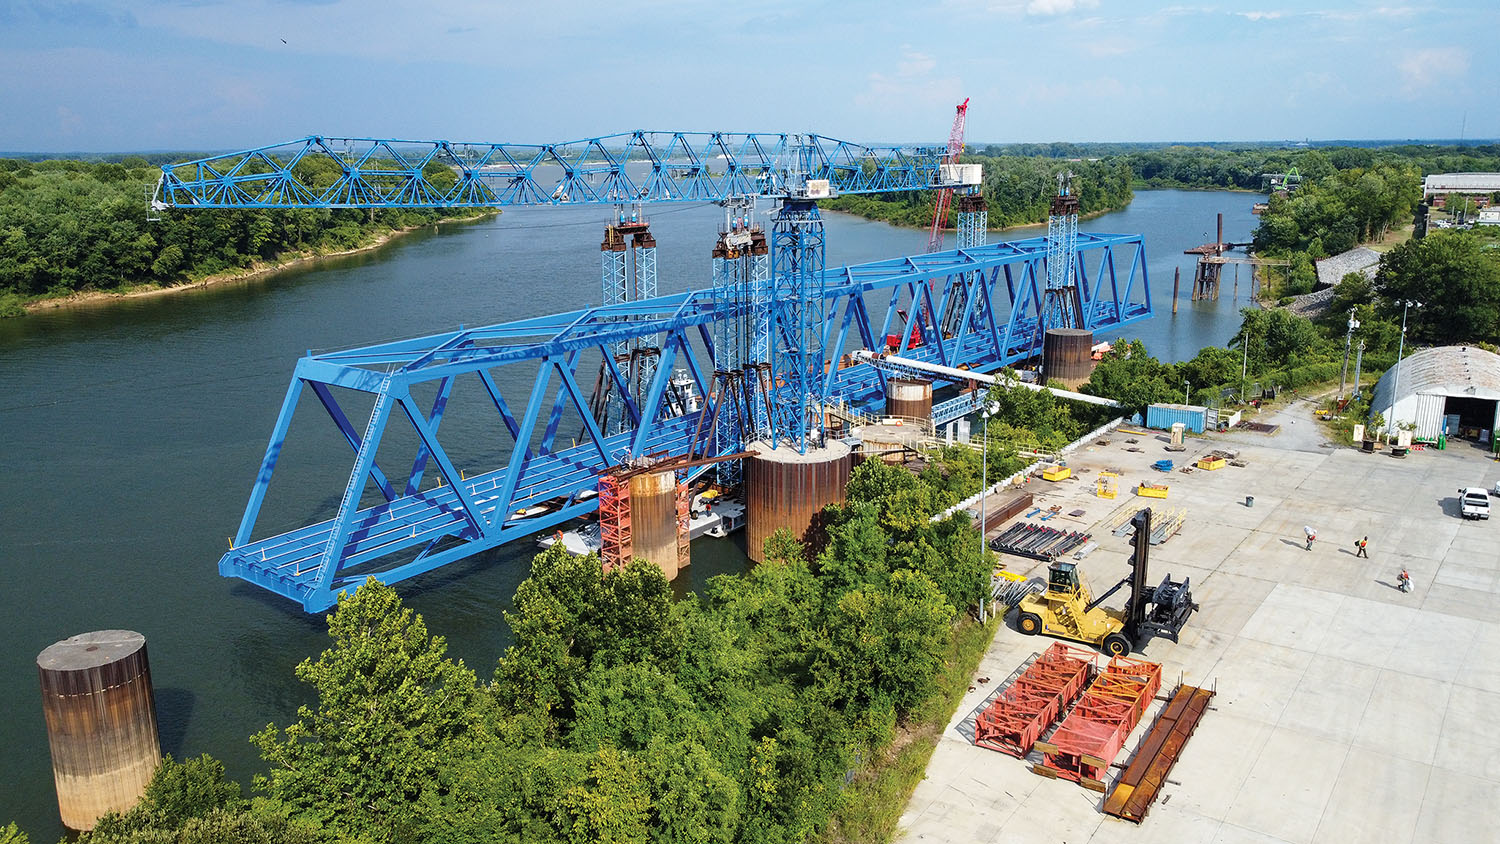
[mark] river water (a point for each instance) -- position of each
(130, 433)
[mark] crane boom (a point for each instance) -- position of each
(641, 166)
(945, 195)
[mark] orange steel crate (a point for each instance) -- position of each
(1089, 739)
(1019, 714)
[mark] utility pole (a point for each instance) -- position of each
(1348, 336)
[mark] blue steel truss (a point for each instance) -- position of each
(319, 172)
(398, 527)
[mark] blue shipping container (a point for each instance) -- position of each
(1161, 417)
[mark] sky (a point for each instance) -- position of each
(136, 75)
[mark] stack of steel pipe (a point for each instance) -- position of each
(1087, 741)
(1018, 715)
(1038, 542)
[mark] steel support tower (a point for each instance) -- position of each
(628, 275)
(973, 227)
(741, 264)
(1062, 308)
(798, 315)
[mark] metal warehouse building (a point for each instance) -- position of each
(1449, 389)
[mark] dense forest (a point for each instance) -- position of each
(70, 226)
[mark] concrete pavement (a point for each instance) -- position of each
(1346, 710)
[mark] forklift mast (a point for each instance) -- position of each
(1140, 564)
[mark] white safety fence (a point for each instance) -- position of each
(1021, 476)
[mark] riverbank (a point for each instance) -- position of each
(951, 231)
(256, 270)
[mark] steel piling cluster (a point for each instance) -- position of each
(1037, 542)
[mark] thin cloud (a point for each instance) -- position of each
(1058, 7)
(1423, 69)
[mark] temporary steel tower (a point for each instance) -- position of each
(1063, 307)
(775, 314)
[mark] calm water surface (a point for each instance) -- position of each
(130, 433)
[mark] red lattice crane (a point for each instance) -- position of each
(945, 195)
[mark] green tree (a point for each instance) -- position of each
(1277, 338)
(884, 643)
(177, 793)
(1455, 278)
(1131, 377)
(571, 615)
(611, 805)
(12, 834)
(391, 708)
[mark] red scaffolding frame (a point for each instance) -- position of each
(615, 545)
(1014, 720)
(1089, 739)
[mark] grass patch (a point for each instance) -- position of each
(877, 797)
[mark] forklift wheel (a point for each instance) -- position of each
(1029, 623)
(1115, 644)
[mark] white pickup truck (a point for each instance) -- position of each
(1474, 503)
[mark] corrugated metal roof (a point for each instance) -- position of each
(1461, 183)
(1445, 370)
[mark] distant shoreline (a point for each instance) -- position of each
(257, 269)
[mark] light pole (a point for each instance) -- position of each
(1348, 338)
(1396, 385)
(1359, 359)
(984, 496)
(1244, 359)
(1187, 392)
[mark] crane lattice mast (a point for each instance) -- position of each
(945, 195)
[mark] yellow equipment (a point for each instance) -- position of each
(1056, 473)
(1152, 490)
(1211, 462)
(1068, 610)
(1107, 485)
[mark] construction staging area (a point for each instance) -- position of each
(1343, 709)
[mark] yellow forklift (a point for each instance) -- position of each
(1068, 611)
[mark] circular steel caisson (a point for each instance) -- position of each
(101, 723)
(785, 489)
(1067, 356)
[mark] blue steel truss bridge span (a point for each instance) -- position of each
(439, 509)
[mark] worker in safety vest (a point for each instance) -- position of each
(1361, 546)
